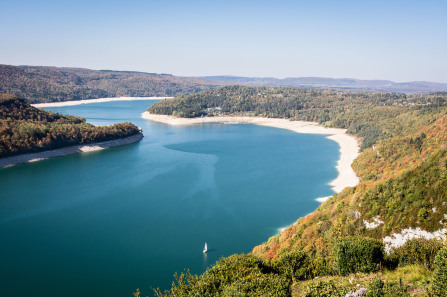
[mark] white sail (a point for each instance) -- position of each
(205, 249)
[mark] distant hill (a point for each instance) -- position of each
(336, 83)
(52, 84)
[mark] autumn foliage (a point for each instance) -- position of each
(25, 129)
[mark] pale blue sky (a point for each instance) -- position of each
(395, 40)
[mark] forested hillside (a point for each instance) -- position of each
(52, 84)
(25, 129)
(360, 236)
(356, 111)
(403, 185)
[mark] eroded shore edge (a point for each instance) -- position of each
(69, 150)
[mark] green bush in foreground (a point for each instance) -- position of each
(258, 285)
(417, 251)
(439, 286)
(237, 275)
(325, 288)
(321, 266)
(377, 288)
(293, 265)
(358, 254)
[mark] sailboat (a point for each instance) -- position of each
(205, 249)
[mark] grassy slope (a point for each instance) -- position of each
(416, 277)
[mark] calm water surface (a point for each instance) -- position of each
(105, 223)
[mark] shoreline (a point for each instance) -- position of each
(69, 150)
(99, 100)
(349, 147)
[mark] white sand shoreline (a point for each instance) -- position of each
(99, 100)
(69, 150)
(349, 147)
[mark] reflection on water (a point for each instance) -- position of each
(205, 261)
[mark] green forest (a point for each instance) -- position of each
(52, 84)
(26, 129)
(331, 252)
(371, 116)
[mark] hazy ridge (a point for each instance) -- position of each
(39, 84)
(337, 83)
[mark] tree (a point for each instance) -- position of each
(294, 265)
(439, 286)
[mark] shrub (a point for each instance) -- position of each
(358, 254)
(439, 286)
(377, 288)
(324, 288)
(340, 206)
(258, 285)
(417, 251)
(396, 290)
(423, 214)
(321, 266)
(237, 275)
(293, 265)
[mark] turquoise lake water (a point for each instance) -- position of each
(105, 223)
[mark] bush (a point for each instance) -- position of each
(258, 285)
(340, 206)
(423, 214)
(417, 251)
(358, 254)
(439, 286)
(377, 288)
(321, 266)
(324, 288)
(237, 275)
(293, 265)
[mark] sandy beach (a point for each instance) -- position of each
(349, 147)
(65, 151)
(87, 101)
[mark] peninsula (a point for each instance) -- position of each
(29, 134)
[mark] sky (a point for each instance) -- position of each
(393, 39)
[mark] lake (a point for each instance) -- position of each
(105, 223)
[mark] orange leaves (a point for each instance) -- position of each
(308, 233)
(309, 217)
(271, 254)
(319, 243)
